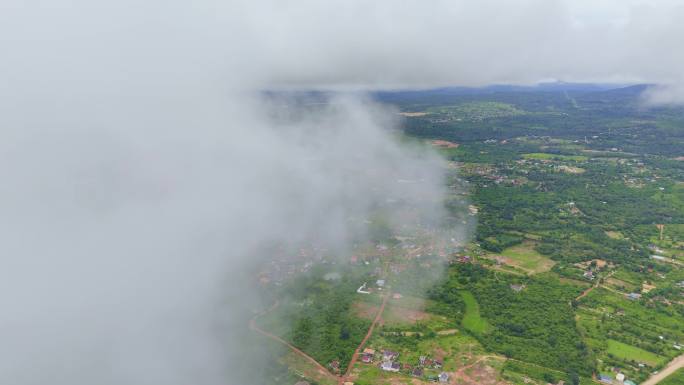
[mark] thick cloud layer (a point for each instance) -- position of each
(140, 170)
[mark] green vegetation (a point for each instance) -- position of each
(472, 321)
(546, 156)
(320, 315)
(571, 195)
(476, 111)
(525, 256)
(632, 353)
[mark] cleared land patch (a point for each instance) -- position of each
(629, 352)
(547, 156)
(413, 114)
(472, 320)
(524, 256)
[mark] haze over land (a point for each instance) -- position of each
(141, 168)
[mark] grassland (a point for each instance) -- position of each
(472, 320)
(527, 258)
(633, 353)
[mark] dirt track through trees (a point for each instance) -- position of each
(365, 339)
(254, 327)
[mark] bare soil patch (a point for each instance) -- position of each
(444, 144)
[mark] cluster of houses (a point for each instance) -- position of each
(619, 379)
(388, 361)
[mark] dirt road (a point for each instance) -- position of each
(670, 368)
(378, 316)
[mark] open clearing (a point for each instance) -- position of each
(412, 114)
(527, 258)
(472, 320)
(306, 369)
(407, 310)
(547, 156)
(629, 352)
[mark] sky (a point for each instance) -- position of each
(142, 171)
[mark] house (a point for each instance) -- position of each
(444, 377)
(588, 274)
(422, 359)
(517, 288)
(335, 365)
(437, 364)
(633, 296)
(417, 372)
(390, 366)
(366, 358)
(388, 355)
(647, 287)
(620, 377)
(369, 351)
(605, 378)
(380, 282)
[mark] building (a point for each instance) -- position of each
(390, 366)
(605, 378)
(517, 288)
(620, 377)
(443, 377)
(417, 372)
(388, 355)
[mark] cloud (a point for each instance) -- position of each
(141, 169)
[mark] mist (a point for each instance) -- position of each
(142, 168)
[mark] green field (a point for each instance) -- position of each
(478, 110)
(527, 258)
(472, 320)
(547, 156)
(676, 378)
(629, 352)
